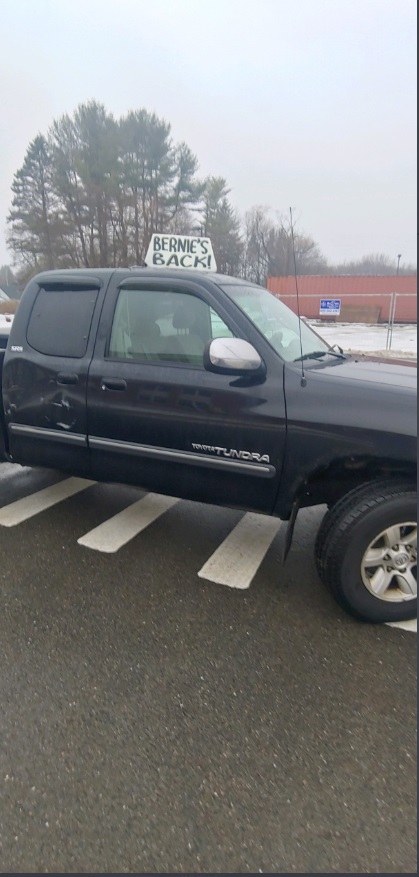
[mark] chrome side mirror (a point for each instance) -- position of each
(232, 356)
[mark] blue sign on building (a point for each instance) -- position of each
(330, 307)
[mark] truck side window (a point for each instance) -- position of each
(163, 326)
(218, 327)
(60, 321)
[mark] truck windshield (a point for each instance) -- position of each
(276, 322)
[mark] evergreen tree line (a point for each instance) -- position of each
(93, 191)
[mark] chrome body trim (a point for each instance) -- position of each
(69, 438)
(185, 457)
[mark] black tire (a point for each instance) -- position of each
(358, 528)
(2, 444)
(326, 527)
(334, 513)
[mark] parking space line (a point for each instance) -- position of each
(234, 563)
(7, 470)
(411, 624)
(117, 531)
(19, 511)
(237, 560)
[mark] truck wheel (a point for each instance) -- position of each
(326, 526)
(333, 515)
(369, 554)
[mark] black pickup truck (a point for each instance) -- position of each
(209, 388)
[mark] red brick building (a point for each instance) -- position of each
(363, 298)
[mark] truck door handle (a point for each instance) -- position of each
(63, 378)
(113, 384)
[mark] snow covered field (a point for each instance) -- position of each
(5, 323)
(361, 337)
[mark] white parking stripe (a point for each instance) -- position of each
(117, 531)
(22, 509)
(412, 624)
(233, 564)
(238, 558)
(8, 469)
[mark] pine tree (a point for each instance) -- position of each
(85, 153)
(221, 224)
(33, 216)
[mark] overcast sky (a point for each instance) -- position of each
(309, 104)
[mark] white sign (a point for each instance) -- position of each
(180, 251)
(330, 306)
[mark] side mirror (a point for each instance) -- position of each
(232, 356)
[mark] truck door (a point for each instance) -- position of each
(158, 419)
(45, 374)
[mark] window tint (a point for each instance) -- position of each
(157, 326)
(60, 321)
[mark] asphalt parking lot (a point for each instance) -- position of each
(154, 720)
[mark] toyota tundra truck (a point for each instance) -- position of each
(206, 387)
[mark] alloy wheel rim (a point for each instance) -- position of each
(389, 564)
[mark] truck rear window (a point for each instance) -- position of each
(60, 321)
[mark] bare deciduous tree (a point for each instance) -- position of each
(268, 248)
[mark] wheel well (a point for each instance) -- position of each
(330, 483)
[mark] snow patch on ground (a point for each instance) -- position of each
(5, 322)
(364, 338)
